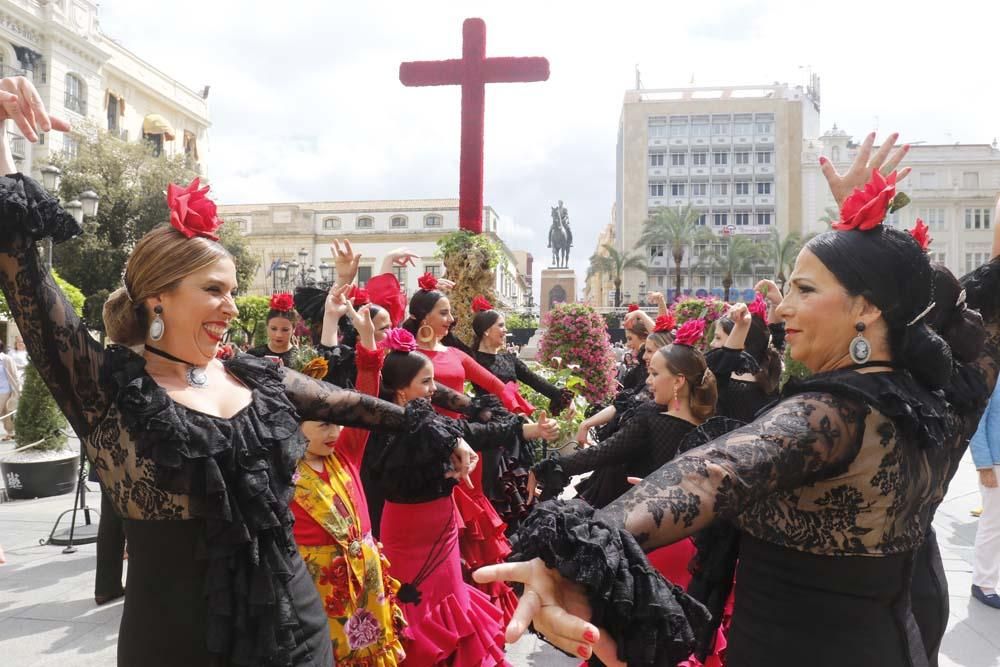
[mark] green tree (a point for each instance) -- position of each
(73, 295)
(782, 252)
(253, 313)
(247, 262)
(613, 265)
(674, 228)
(739, 256)
(831, 214)
(38, 417)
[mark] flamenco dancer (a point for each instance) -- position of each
(197, 454)
(833, 489)
(505, 469)
(281, 320)
(332, 529)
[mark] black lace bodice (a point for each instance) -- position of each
(509, 368)
(738, 399)
(265, 351)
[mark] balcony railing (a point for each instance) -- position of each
(76, 103)
(7, 70)
(18, 147)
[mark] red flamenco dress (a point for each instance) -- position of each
(481, 531)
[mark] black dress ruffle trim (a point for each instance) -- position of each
(411, 468)
(725, 361)
(653, 621)
(921, 414)
(237, 474)
(549, 475)
(37, 212)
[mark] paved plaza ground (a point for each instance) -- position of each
(48, 617)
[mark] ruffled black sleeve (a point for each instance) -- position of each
(341, 366)
(67, 357)
(412, 466)
(489, 425)
(653, 621)
(320, 401)
(724, 361)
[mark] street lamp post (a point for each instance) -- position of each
(299, 272)
(84, 207)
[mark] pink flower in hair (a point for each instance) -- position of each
(758, 307)
(399, 340)
(690, 332)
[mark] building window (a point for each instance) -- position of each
(720, 219)
(678, 189)
(939, 257)
(678, 159)
(364, 275)
(400, 273)
(700, 127)
(76, 95)
(433, 221)
(970, 180)
(973, 260)
(720, 188)
(657, 126)
(365, 222)
(699, 159)
(155, 142)
(656, 159)
(699, 189)
(113, 113)
(977, 218)
(190, 149)
(331, 224)
(398, 222)
(928, 180)
(700, 250)
(763, 218)
(678, 129)
(721, 129)
(763, 157)
(933, 218)
(655, 251)
(720, 159)
(765, 128)
(433, 269)
(742, 187)
(764, 188)
(742, 158)
(656, 188)
(741, 218)
(702, 219)
(744, 129)
(71, 146)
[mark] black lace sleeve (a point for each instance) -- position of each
(489, 425)
(67, 357)
(982, 288)
(805, 438)
(724, 361)
(319, 401)
(653, 621)
(449, 399)
(341, 367)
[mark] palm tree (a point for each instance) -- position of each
(739, 257)
(676, 228)
(613, 265)
(831, 214)
(782, 253)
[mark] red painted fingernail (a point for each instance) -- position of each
(590, 636)
(906, 147)
(583, 652)
(822, 160)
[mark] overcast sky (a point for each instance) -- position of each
(306, 102)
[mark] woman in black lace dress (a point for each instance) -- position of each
(505, 468)
(281, 319)
(833, 489)
(196, 454)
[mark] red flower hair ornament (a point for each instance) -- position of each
(690, 332)
(427, 282)
(480, 304)
(192, 213)
(359, 296)
(921, 233)
(632, 307)
(758, 307)
(398, 340)
(866, 209)
(282, 301)
(664, 323)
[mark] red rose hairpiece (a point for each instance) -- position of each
(399, 340)
(758, 307)
(427, 282)
(480, 304)
(664, 323)
(632, 307)
(192, 213)
(690, 332)
(866, 209)
(921, 233)
(359, 296)
(282, 301)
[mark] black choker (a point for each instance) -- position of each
(196, 376)
(871, 364)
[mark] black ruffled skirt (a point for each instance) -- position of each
(164, 619)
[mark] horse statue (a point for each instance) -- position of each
(560, 236)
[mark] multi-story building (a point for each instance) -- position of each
(303, 233)
(732, 153)
(599, 289)
(81, 74)
(952, 187)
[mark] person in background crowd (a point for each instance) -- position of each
(985, 448)
(10, 390)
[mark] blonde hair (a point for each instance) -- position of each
(161, 259)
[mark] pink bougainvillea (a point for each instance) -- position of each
(578, 335)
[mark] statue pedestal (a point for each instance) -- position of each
(529, 352)
(558, 286)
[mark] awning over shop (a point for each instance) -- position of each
(154, 123)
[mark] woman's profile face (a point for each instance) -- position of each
(440, 318)
(421, 386)
(382, 323)
(719, 339)
(197, 313)
(279, 333)
(663, 384)
(496, 335)
(633, 341)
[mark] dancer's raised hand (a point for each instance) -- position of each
(345, 261)
(841, 185)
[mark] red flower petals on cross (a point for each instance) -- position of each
(690, 332)
(866, 209)
(282, 301)
(664, 323)
(480, 304)
(427, 282)
(921, 233)
(192, 213)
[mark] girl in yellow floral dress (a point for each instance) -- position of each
(333, 531)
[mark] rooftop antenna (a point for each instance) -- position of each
(638, 79)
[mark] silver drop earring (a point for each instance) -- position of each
(156, 327)
(860, 350)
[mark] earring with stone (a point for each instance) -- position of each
(157, 327)
(860, 350)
